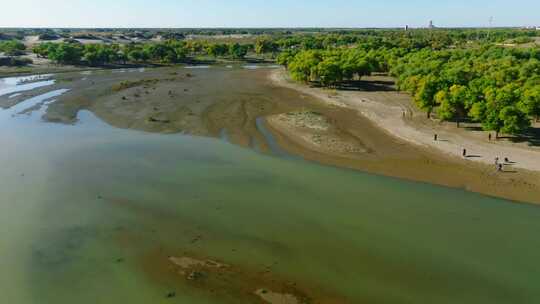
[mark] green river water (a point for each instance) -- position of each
(67, 191)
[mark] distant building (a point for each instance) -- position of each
(431, 26)
(406, 27)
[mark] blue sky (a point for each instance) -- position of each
(268, 13)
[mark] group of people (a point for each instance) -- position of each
(498, 164)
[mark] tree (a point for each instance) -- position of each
(180, 49)
(12, 47)
(513, 120)
(42, 49)
(70, 53)
(530, 102)
(355, 63)
(530, 68)
(452, 103)
(284, 58)
(137, 55)
(238, 51)
(159, 52)
(98, 54)
(329, 71)
(303, 64)
(194, 46)
(265, 45)
(446, 110)
(425, 95)
(217, 50)
(501, 113)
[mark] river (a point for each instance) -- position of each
(83, 206)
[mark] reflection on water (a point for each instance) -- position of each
(271, 141)
(12, 85)
(84, 207)
(197, 67)
(260, 66)
(33, 102)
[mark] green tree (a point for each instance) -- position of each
(513, 120)
(355, 63)
(284, 58)
(265, 45)
(99, 54)
(425, 95)
(12, 47)
(217, 50)
(530, 102)
(70, 53)
(303, 64)
(41, 49)
(501, 113)
(238, 51)
(137, 55)
(329, 71)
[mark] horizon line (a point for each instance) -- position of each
(272, 27)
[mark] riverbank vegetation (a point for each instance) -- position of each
(169, 52)
(495, 85)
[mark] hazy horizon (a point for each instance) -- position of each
(262, 14)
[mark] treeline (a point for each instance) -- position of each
(12, 49)
(169, 52)
(436, 39)
(332, 67)
(499, 87)
(496, 86)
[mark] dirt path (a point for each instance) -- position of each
(393, 112)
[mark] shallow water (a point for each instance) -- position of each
(197, 67)
(260, 66)
(12, 85)
(31, 103)
(77, 199)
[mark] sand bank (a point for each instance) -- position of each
(399, 141)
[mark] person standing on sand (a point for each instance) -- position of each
(464, 152)
(436, 137)
(489, 136)
(496, 161)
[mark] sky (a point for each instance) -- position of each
(267, 13)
